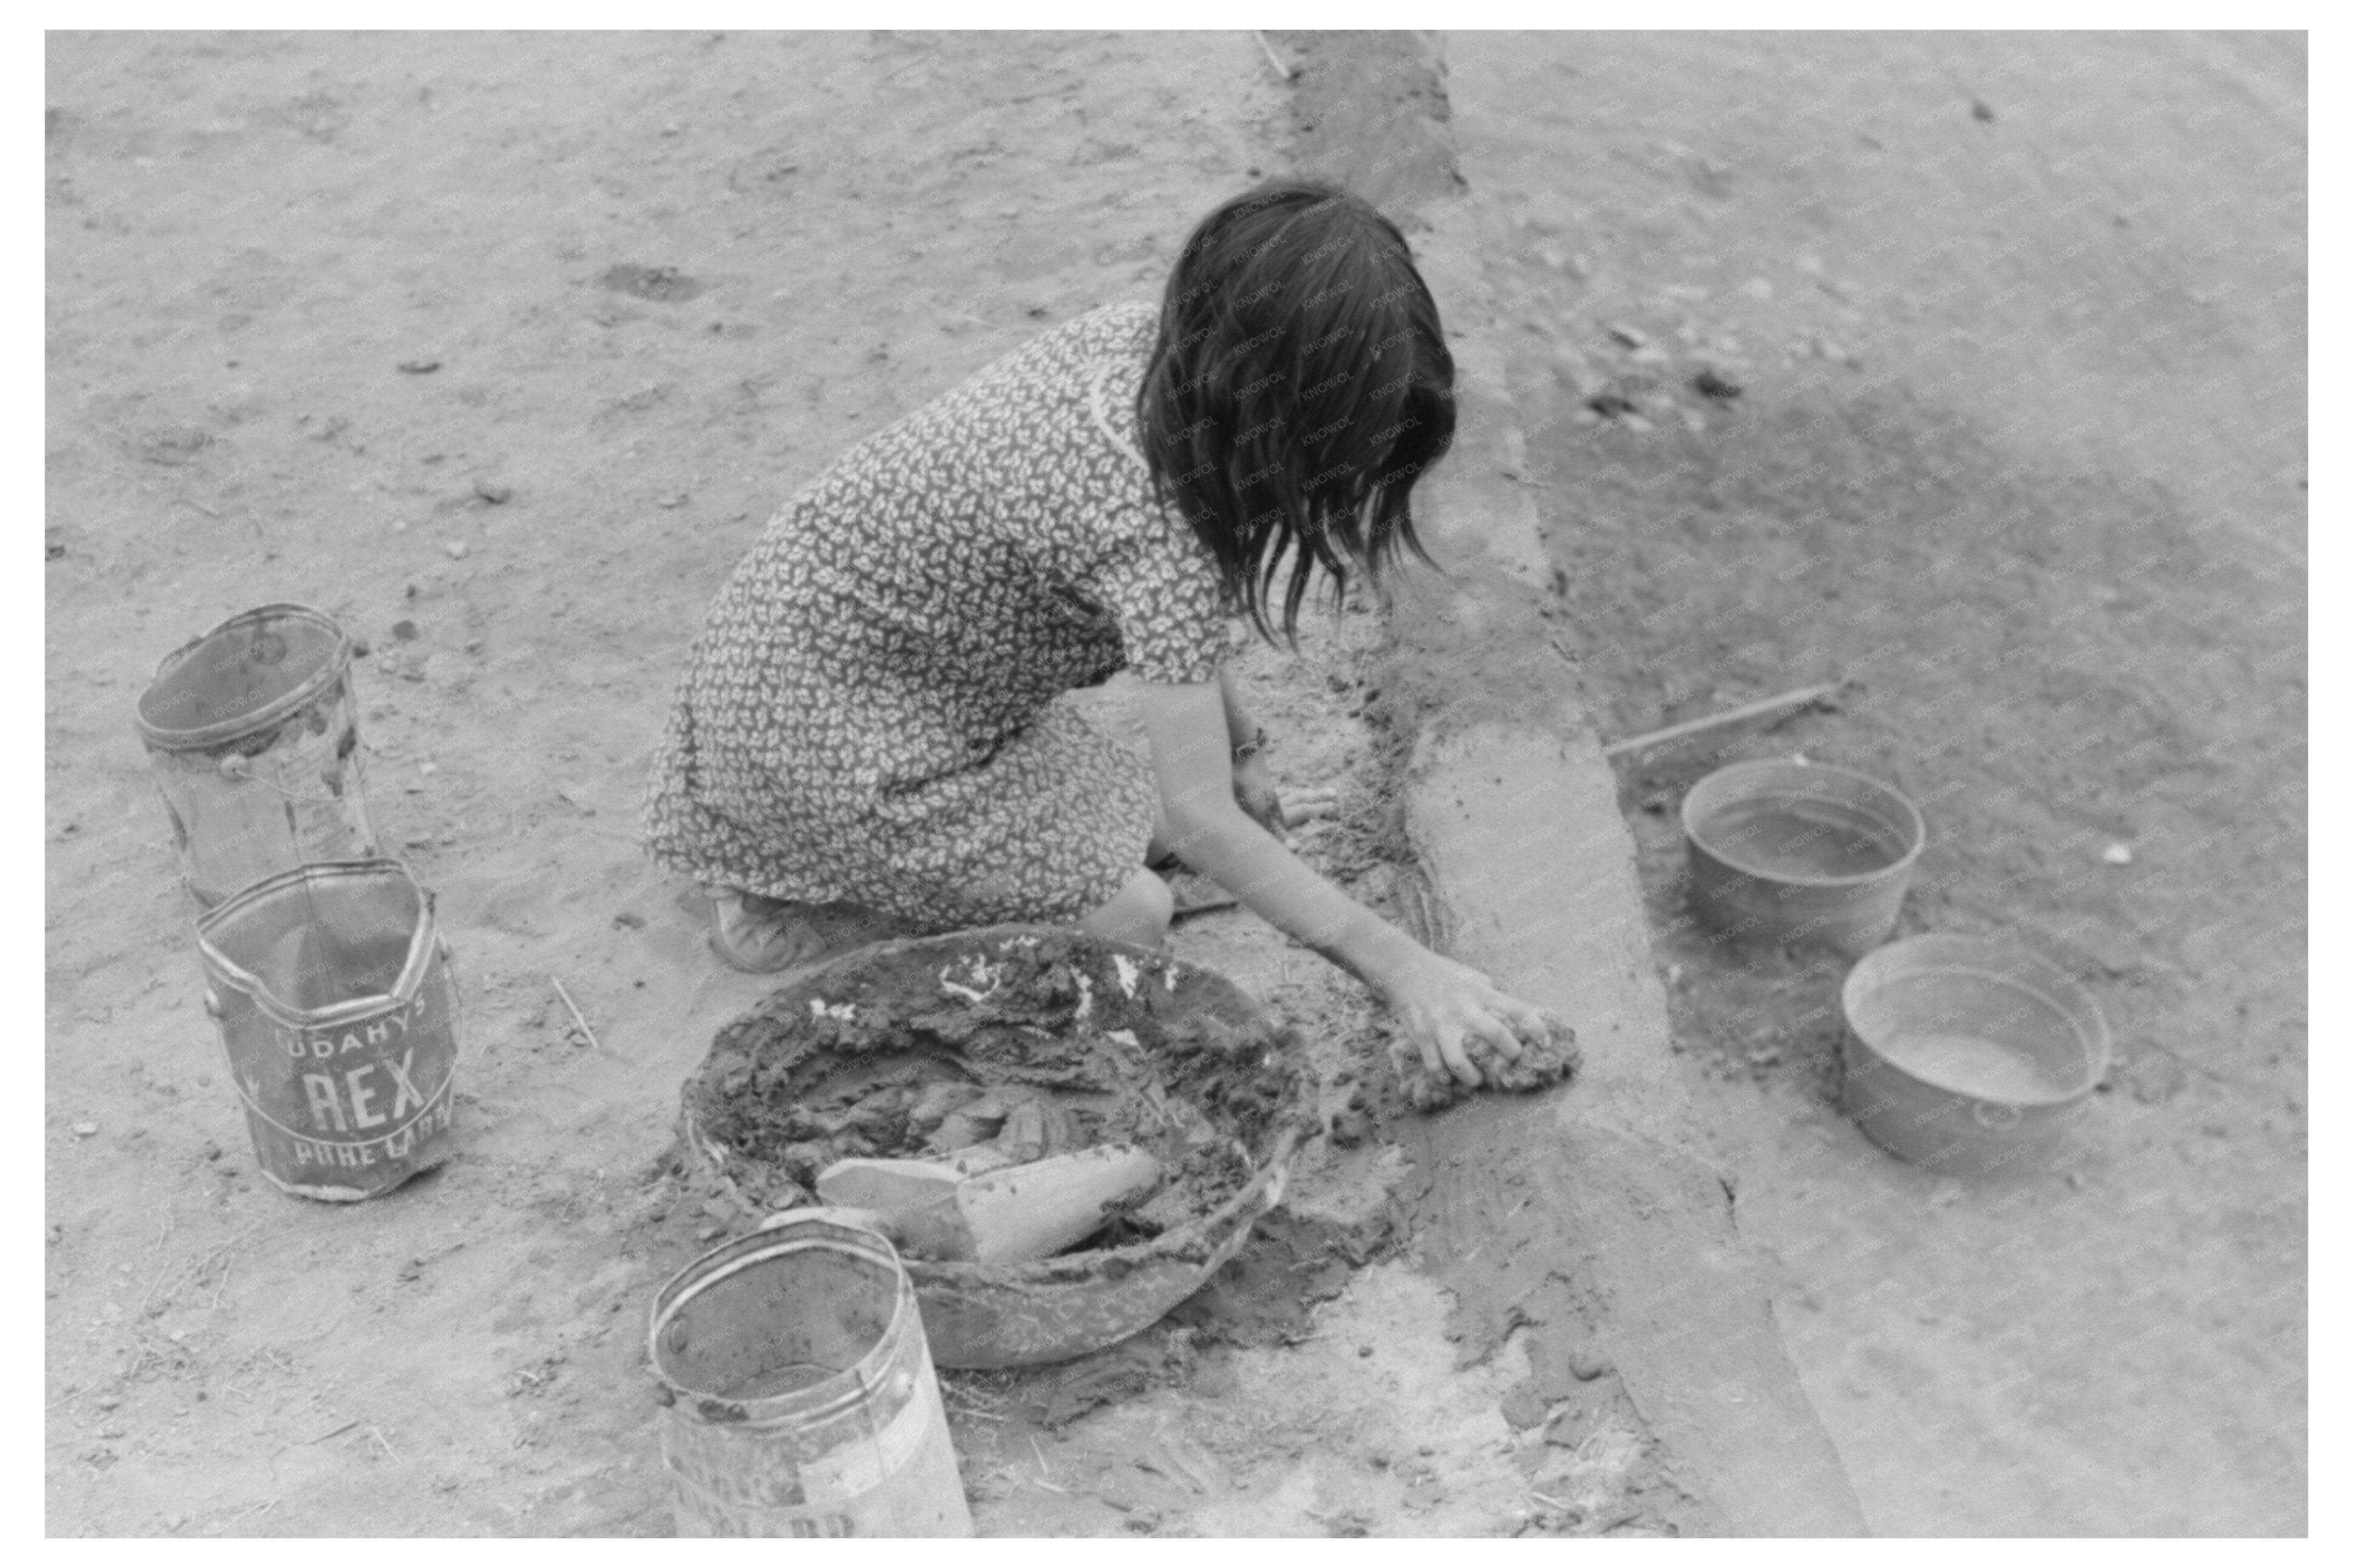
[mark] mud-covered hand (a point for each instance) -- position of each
(1447, 1010)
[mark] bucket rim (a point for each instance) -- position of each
(2003, 962)
(837, 1391)
(1916, 823)
(166, 738)
(422, 939)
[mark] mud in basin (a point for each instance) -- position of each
(1039, 1040)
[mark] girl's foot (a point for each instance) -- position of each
(760, 935)
(1195, 894)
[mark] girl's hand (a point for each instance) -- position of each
(1444, 1005)
(1301, 807)
(1254, 792)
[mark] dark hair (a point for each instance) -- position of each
(1300, 385)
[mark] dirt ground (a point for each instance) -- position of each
(248, 235)
(2017, 326)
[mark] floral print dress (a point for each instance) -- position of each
(870, 712)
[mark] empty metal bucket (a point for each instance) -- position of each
(799, 1390)
(1966, 1054)
(1790, 851)
(255, 746)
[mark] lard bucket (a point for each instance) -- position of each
(255, 747)
(333, 993)
(799, 1391)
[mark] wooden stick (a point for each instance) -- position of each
(307, 1443)
(254, 1511)
(160, 1237)
(1273, 59)
(569, 1006)
(1797, 698)
(1203, 906)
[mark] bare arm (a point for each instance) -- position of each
(1239, 725)
(1439, 1002)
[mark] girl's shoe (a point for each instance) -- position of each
(760, 935)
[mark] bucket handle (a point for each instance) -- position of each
(864, 1220)
(1995, 1117)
